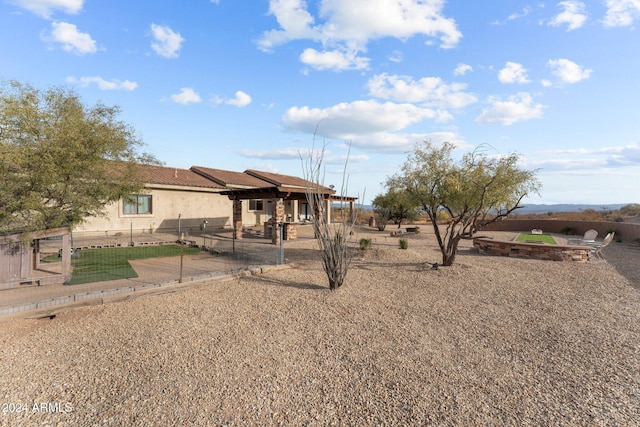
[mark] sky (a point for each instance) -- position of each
(255, 84)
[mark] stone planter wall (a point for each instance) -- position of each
(627, 231)
(532, 250)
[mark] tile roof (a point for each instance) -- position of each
(280, 180)
(175, 176)
(231, 179)
(200, 176)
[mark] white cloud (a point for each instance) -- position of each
(462, 69)
(167, 43)
(186, 96)
(527, 10)
(621, 13)
(573, 15)
(45, 8)
(589, 159)
(429, 91)
(513, 73)
(514, 109)
(289, 153)
(345, 120)
(514, 16)
(333, 60)
(293, 153)
(396, 56)
(102, 83)
(295, 23)
(347, 27)
(241, 99)
(400, 143)
(71, 39)
(568, 71)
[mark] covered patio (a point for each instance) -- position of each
(288, 205)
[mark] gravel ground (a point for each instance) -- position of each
(488, 341)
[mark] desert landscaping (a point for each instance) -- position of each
(487, 341)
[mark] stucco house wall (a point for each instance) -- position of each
(169, 207)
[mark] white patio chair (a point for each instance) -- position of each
(605, 242)
(589, 237)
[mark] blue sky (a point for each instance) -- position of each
(245, 84)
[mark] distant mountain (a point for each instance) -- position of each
(531, 208)
(536, 209)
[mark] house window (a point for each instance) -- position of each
(256, 205)
(137, 204)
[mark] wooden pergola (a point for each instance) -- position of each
(278, 194)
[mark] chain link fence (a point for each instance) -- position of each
(105, 264)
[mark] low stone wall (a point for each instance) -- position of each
(532, 250)
(626, 231)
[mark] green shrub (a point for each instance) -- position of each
(618, 236)
(365, 243)
(566, 230)
(404, 244)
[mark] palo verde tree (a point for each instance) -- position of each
(395, 206)
(477, 190)
(61, 161)
(333, 238)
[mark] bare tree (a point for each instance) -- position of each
(333, 238)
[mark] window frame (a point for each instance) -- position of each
(256, 203)
(135, 201)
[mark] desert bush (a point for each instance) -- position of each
(566, 230)
(618, 236)
(404, 244)
(333, 239)
(365, 243)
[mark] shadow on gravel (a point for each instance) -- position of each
(407, 266)
(625, 258)
(284, 283)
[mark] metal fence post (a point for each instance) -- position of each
(281, 255)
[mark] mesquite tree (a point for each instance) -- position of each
(334, 239)
(60, 161)
(473, 192)
(395, 206)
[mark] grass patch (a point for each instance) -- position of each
(100, 265)
(542, 238)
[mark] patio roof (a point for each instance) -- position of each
(273, 192)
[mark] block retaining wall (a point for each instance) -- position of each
(627, 231)
(532, 250)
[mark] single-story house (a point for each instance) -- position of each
(180, 200)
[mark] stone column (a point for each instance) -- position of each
(277, 218)
(237, 219)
